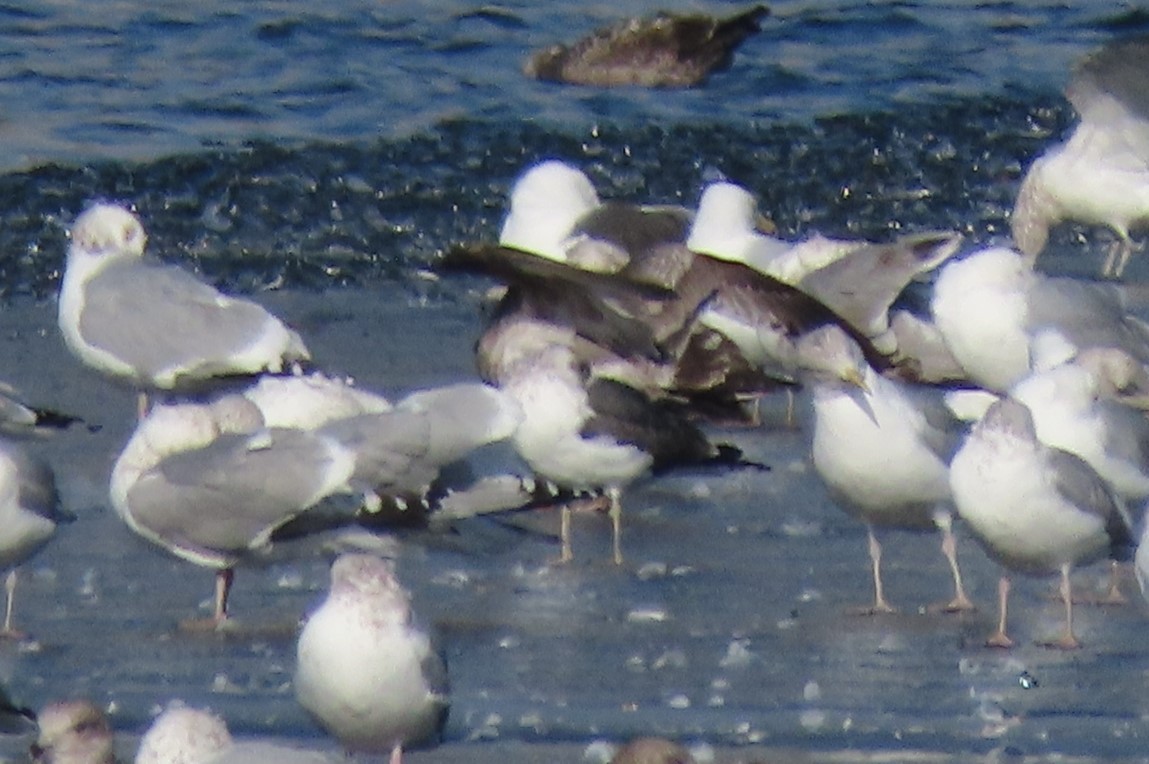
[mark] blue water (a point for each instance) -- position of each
(324, 143)
(320, 146)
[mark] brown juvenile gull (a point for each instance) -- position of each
(654, 314)
(155, 326)
(858, 280)
(1100, 175)
(1035, 509)
(365, 669)
(882, 447)
(73, 732)
(665, 50)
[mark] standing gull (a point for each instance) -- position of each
(1037, 510)
(365, 669)
(1100, 175)
(210, 484)
(665, 50)
(29, 513)
(882, 447)
(586, 433)
(154, 326)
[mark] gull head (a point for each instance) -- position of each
(367, 578)
(829, 355)
(724, 226)
(107, 229)
(1008, 419)
(73, 732)
(546, 202)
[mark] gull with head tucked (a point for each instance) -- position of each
(154, 326)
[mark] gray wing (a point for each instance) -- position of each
(938, 428)
(230, 495)
(1109, 91)
(1080, 484)
(463, 417)
(862, 286)
(391, 449)
(1088, 314)
(156, 317)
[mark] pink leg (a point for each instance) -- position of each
(999, 638)
(1067, 640)
(880, 603)
(397, 755)
(960, 602)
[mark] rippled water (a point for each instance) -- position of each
(328, 148)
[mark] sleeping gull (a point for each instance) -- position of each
(29, 513)
(365, 669)
(73, 732)
(882, 447)
(1035, 509)
(1100, 175)
(990, 304)
(158, 327)
(184, 735)
(665, 50)
(210, 484)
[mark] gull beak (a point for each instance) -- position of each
(763, 224)
(855, 378)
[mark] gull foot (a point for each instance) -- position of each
(999, 640)
(878, 608)
(960, 604)
(1064, 642)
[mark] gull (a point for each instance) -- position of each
(882, 447)
(858, 280)
(158, 327)
(212, 485)
(73, 732)
(1037, 510)
(990, 304)
(1100, 174)
(644, 307)
(1072, 411)
(29, 515)
(184, 735)
(399, 449)
(365, 669)
(587, 433)
(665, 50)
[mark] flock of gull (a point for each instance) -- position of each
(1012, 403)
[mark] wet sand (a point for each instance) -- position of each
(728, 625)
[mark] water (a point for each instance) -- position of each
(320, 155)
